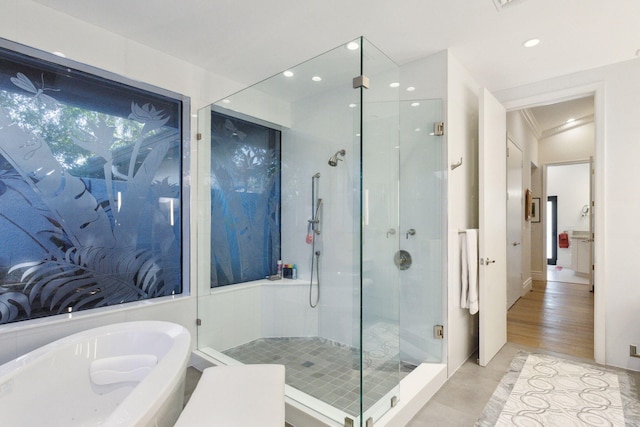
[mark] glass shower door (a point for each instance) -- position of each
(380, 276)
(337, 326)
(422, 209)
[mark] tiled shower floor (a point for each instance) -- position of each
(326, 370)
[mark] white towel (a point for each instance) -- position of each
(472, 263)
(464, 271)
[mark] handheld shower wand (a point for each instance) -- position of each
(312, 228)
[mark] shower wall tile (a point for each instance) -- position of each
(286, 311)
(230, 316)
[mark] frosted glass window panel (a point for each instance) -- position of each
(90, 190)
(245, 200)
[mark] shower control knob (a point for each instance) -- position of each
(411, 232)
(402, 260)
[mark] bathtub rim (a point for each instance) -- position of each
(137, 408)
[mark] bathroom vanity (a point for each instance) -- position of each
(581, 252)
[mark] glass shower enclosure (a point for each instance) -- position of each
(305, 258)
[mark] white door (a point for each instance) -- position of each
(515, 215)
(492, 167)
(592, 203)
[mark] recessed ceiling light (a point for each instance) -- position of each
(226, 101)
(415, 104)
(531, 43)
(316, 78)
(394, 84)
(353, 46)
(288, 73)
(418, 129)
(60, 54)
(411, 89)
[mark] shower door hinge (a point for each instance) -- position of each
(348, 422)
(361, 81)
(198, 136)
(438, 332)
(198, 322)
(369, 422)
(438, 128)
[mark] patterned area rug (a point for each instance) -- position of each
(542, 390)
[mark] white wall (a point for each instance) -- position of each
(575, 144)
(36, 26)
(442, 76)
(462, 128)
(521, 134)
(570, 183)
(571, 145)
(306, 149)
(238, 314)
(617, 130)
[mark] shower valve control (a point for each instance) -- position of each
(402, 260)
(411, 232)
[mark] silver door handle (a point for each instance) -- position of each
(486, 261)
(516, 243)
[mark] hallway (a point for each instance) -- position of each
(554, 318)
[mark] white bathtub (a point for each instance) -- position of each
(126, 374)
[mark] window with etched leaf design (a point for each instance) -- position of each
(245, 200)
(90, 188)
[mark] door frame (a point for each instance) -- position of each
(597, 90)
(545, 193)
(519, 219)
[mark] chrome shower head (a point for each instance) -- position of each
(333, 160)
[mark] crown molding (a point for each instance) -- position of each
(567, 126)
(531, 122)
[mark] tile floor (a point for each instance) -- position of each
(326, 370)
(461, 401)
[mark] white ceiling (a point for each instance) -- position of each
(249, 40)
(555, 118)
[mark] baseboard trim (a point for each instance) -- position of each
(539, 275)
(527, 286)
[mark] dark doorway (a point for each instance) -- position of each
(552, 230)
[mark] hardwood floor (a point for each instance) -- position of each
(554, 316)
